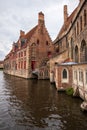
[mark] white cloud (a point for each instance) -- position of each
(23, 14)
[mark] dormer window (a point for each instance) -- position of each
(22, 42)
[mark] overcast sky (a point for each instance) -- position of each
(16, 15)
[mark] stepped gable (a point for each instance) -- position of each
(30, 33)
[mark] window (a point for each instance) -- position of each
(80, 76)
(21, 54)
(77, 28)
(75, 32)
(21, 64)
(76, 54)
(33, 51)
(72, 44)
(24, 64)
(75, 75)
(37, 41)
(86, 76)
(47, 43)
(64, 74)
(57, 49)
(81, 23)
(24, 53)
(85, 17)
(83, 54)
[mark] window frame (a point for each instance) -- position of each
(65, 80)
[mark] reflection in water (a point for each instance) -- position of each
(36, 105)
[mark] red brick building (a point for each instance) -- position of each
(30, 52)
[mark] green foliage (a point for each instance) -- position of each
(69, 91)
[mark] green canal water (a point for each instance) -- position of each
(36, 105)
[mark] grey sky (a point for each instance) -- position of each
(16, 15)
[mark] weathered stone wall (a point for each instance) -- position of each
(80, 79)
(63, 83)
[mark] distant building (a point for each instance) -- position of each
(1, 64)
(30, 52)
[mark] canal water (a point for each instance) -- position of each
(36, 105)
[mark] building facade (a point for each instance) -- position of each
(71, 42)
(68, 66)
(1, 64)
(30, 52)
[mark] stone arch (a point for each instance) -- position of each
(76, 54)
(83, 51)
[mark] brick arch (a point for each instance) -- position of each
(83, 51)
(76, 54)
(33, 44)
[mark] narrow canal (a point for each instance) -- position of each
(36, 105)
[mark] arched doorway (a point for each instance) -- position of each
(83, 53)
(76, 54)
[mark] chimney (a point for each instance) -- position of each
(65, 13)
(40, 18)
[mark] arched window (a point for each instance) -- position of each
(81, 23)
(75, 31)
(85, 17)
(86, 77)
(72, 48)
(76, 54)
(77, 28)
(83, 54)
(64, 74)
